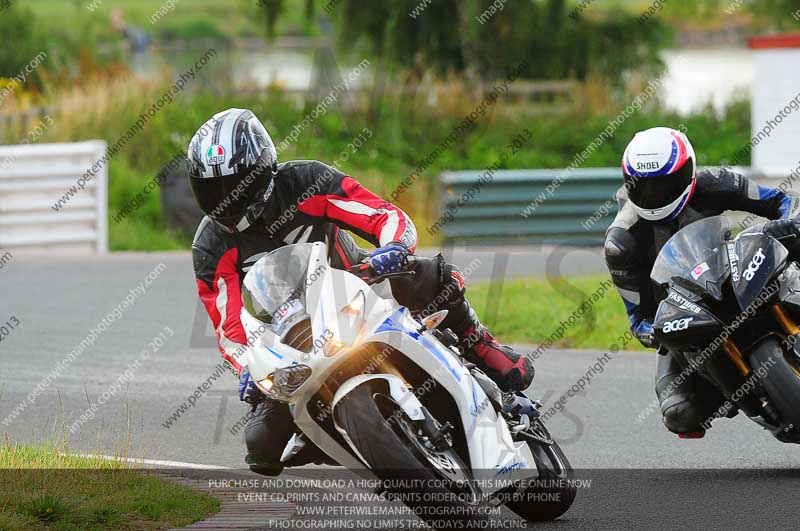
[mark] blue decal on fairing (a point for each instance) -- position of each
(475, 406)
(508, 468)
(276, 354)
(391, 324)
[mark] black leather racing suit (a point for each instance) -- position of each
(632, 245)
(309, 201)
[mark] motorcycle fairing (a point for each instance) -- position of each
(492, 451)
(693, 324)
(790, 289)
(760, 257)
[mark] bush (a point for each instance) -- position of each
(189, 28)
(21, 42)
(478, 37)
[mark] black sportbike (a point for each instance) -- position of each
(730, 312)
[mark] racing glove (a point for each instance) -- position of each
(248, 392)
(786, 231)
(391, 258)
(643, 331)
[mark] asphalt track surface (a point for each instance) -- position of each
(738, 477)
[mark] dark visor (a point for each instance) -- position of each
(658, 192)
(225, 199)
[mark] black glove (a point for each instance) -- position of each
(786, 231)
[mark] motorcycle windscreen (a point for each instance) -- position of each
(757, 259)
(277, 282)
(695, 257)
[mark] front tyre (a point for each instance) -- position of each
(435, 484)
(779, 375)
(554, 491)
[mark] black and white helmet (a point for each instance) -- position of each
(232, 162)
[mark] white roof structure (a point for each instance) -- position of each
(775, 107)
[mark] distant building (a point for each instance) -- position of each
(775, 107)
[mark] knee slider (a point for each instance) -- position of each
(260, 450)
(620, 248)
(263, 435)
(681, 414)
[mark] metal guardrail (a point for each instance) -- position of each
(33, 178)
(494, 212)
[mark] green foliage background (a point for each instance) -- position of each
(402, 136)
(605, 47)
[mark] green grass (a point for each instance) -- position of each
(40, 488)
(189, 19)
(130, 236)
(530, 311)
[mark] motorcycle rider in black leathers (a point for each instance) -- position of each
(662, 193)
(254, 205)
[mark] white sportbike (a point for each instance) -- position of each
(383, 393)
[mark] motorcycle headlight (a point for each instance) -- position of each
(267, 386)
(283, 382)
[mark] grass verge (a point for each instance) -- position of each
(41, 489)
(530, 310)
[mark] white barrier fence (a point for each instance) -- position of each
(33, 178)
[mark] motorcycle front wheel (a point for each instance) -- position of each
(554, 491)
(435, 484)
(780, 378)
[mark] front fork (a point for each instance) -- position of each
(792, 334)
(729, 377)
(786, 323)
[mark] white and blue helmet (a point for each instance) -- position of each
(659, 169)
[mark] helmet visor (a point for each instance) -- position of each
(659, 191)
(226, 198)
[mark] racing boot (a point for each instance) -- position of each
(688, 403)
(509, 369)
(513, 403)
(518, 405)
